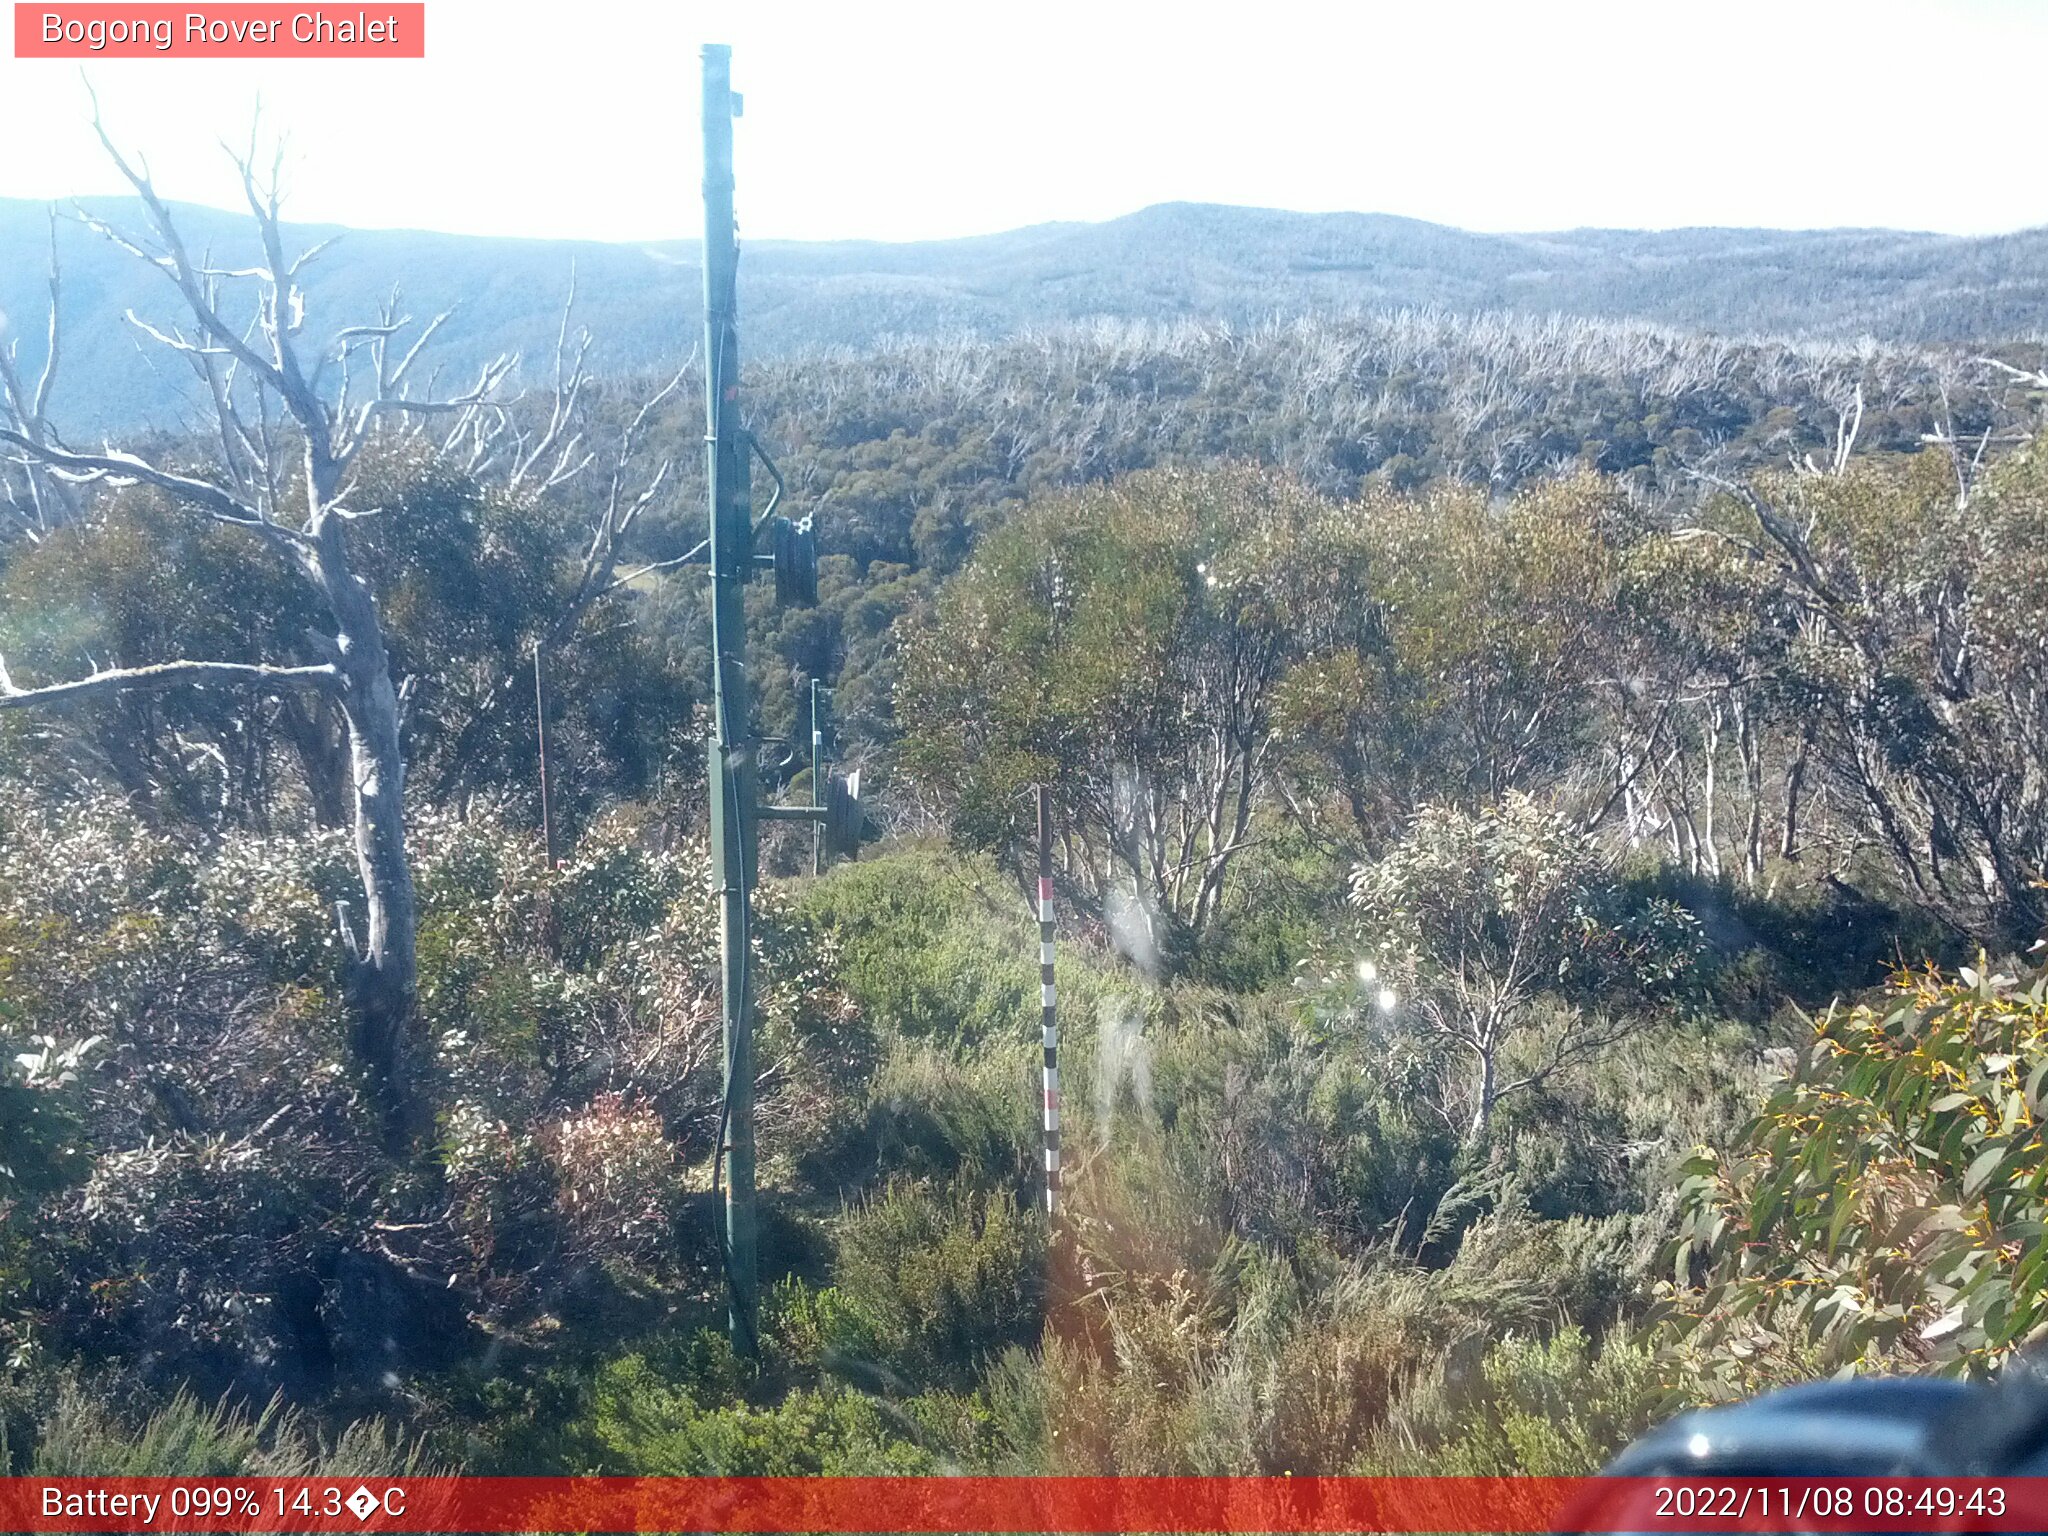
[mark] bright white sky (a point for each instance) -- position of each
(900, 119)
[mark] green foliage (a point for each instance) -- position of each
(1285, 1132)
(1847, 598)
(466, 578)
(1536, 1407)
(1458, 667)
(649, 1420)
(139, 580)
(931, 1283)
(932, 946)
(1885, 1205)
(185, 1438)
(1282, 894)
(227, 1214)
(1800, 946)
(928, 1114)
(39, 1129)
(1480, 933)
(940, 956)
(1605, 1137)
(1124, 645)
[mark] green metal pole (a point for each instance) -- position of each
(731, 777)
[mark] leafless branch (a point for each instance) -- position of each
(167, 674)
(116, 468)
(2035, 378)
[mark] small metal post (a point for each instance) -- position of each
(817, 778)
(1049, 1022)
(540, 727)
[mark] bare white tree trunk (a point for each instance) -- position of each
(260, 385)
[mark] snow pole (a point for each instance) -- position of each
(1048, 1005)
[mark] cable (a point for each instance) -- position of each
(744, 968)
(744, 939)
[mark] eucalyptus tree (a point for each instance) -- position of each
(1126, 645)
(1460, 662)
(1912, 613)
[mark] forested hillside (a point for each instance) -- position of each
(908, 453)
(1549, 824)
(1244, 266)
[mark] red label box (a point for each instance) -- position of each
(377, 30)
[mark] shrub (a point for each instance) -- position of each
(619, 1177)
(651, 1420)
(271, 899)
(39, 1129)
(1536, 1408)
(185, 1438)
(191, 1237)
(1605, 1138)
(934, 946)
(1292, 1129)
(1484, 933)
(929, 1114)
(934, 1283)
(1258, 1363)
(942, 946)
(225, 1212)
(1886, 1204)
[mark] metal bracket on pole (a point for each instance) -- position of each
(839, 819)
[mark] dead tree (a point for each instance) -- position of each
(37, 502)
(289, 422)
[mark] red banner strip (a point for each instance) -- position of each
(1019, 1504)
(379, 30)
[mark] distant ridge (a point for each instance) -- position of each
(1169, 261)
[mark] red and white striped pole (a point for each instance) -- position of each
(1049, 1020)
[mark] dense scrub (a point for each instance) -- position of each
(1275, 1253)
(912, 451)
(1455, 854)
